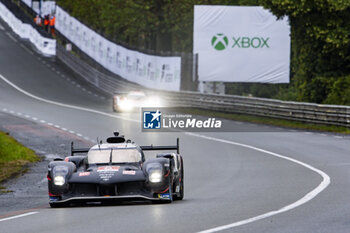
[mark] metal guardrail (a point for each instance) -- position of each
(305, 112)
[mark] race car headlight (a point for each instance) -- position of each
(59, 174)
(59, 180)
(125, 105)
(155, 176)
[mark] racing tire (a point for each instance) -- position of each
(180, 196)
(113, 107)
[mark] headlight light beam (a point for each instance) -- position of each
(155, 176)
(59, 180)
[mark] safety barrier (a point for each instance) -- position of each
(26, 31)
(305, 112)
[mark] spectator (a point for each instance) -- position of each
(52, 24)
(46, 22)
(37, 20)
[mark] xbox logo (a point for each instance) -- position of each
(219, 41)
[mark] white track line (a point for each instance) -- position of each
(11, 37)
(26, 49)
(64, 105)
(18, 216)
(309, 196)
(44, 122)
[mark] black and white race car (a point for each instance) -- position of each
(116, 171)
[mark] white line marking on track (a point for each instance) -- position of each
(11, 37)
(57, 126)
(65, 105)
(26, 116)
(71, 131)
(309, 133)
(12, 112)
(309, 196)
(18, 216)
(50, 124)
(26, 49)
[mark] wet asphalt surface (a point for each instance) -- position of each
(29, 190)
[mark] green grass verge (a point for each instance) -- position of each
(13, 157)
(266, 120)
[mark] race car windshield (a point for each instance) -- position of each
(119, 155)
(136, 97)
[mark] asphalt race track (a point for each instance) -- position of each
(287, 181)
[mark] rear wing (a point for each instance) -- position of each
(151, 147)
(77, 150)
(144, 148)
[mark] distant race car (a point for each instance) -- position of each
(116, 171)
(133, 100)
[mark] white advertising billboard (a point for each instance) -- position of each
(241, 44)
(147, 70)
